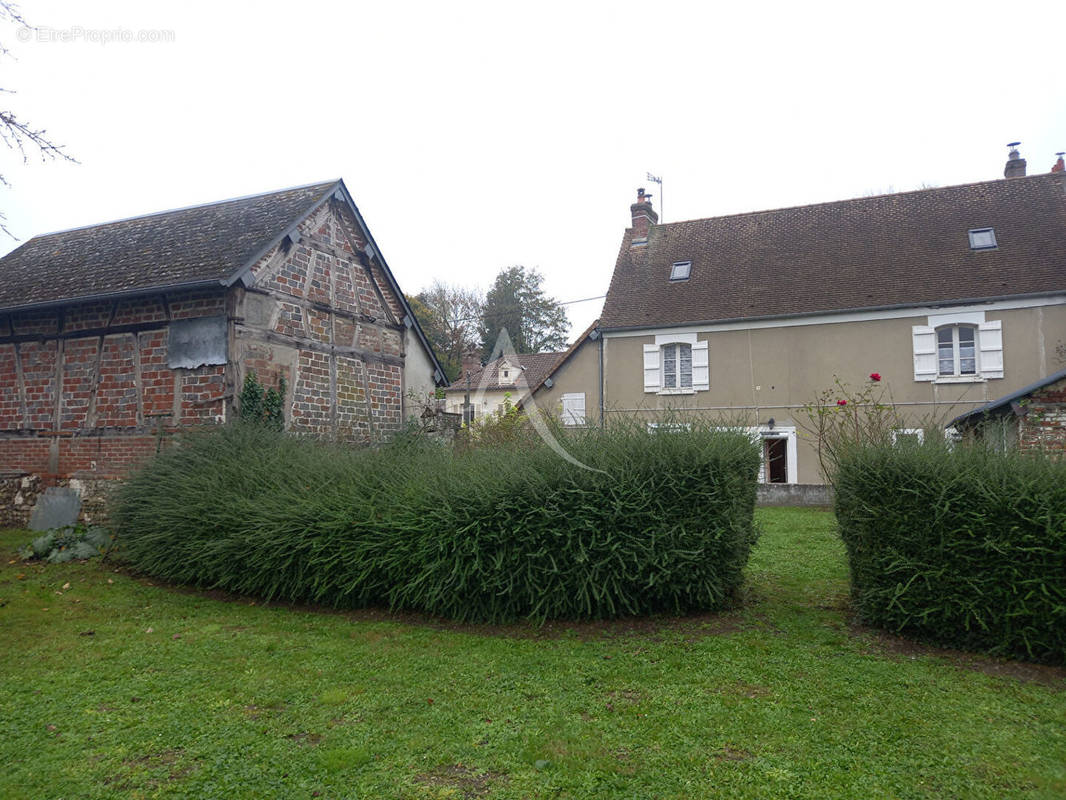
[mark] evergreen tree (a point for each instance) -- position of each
(516, 302)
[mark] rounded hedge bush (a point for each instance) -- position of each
(964, 548)
(663, 522)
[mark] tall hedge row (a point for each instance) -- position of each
(966, 548)
(662, 523)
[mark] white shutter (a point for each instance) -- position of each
(574, 408)
(701, 378)
(651, 368)
(990, 342)
(924, 352)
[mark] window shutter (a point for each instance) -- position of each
(651, 368)
(924, 352)
(701, 378)
(990, 342)
(574, 408)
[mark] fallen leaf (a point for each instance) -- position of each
(87, 633)
(176, 636)
(66, 586)
(150, 630)
(110, 581)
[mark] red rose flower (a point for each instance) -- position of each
(842, 402)
(875, 377)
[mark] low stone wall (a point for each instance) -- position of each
(795, 494)
(18, 494)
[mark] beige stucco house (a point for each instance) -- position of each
(955, 296)
(507, 379)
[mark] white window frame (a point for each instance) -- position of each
(763, 432)
(571, 417)
(669, 427)
(679, 374)
(655, 364)
(919, 432)
(956, 355)
(988, 347)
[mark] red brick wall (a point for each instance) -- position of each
(1043, 426)
(91, 396)
(333, 331)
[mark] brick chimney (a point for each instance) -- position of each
(644, 215)
(1015, 163)
(471, 362)
(1060, 165)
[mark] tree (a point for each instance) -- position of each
(449, 316)
(516, 302)
(15, 133)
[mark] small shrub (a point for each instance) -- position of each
(965, 548)
(661, 522)
(261, 405)
(70, 543)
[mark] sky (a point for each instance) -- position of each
(475, 136)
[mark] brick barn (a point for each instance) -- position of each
(113, 336)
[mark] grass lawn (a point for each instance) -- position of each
(113, 687)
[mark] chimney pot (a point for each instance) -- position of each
(1060, 166)
(644, 215)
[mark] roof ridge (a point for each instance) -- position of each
(182, 208)
(1053, 175)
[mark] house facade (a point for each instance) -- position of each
(953, 296)
(485, 390)
(113, 336)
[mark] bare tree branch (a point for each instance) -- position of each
(17, 135)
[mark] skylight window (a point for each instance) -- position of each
(680, 270)
(983, 239)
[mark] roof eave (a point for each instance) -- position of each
(119, 295)
(828, 312)
(1007, 399)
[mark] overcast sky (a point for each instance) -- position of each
(474, 136)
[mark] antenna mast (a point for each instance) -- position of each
(662, 203)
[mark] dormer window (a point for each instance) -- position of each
(681, 270)
(983, 239)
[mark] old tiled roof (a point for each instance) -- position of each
(535, 367)
(204, 244)
(901, 249)
(1003, 404)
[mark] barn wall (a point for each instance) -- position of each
(319, 312)
(86, 391)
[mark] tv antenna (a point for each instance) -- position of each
(662, 204)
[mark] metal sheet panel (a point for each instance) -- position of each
(197, 342)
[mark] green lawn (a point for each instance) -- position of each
(112, 687)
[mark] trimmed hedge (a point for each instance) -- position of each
(964, 548)
(493, 534)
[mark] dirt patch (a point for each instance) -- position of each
(162, 758)
(469, 783)
(729, 753)
(749, 690)
(883, 643)
(305, 738)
